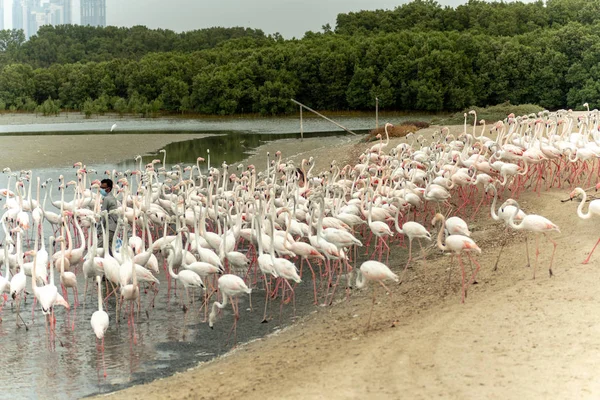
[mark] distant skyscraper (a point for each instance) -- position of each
(29, 15)
(67, 11)
(1, 15)
(19, 15)
(93, 12)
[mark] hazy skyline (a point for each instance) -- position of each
(291, 18)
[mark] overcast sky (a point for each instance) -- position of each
(291, 18)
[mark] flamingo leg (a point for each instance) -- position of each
(409, 258)
(537, 254)
(527, 252)
(553, 251)
(587, 260)
(462, 269)
(268, 288)
(314, 279)
(372, 307)
(476, 269)
(498, 259)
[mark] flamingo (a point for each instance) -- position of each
(18, 280)
(187, 277)
(457, 244)
(593, 209)
(5, 280)
(304, 251)
(538, 225)
(230, 286)
(413, 230)
(67, 278)
(100, 320)
(46, 295)
(265, 263)
(378, 148)
(381, 230)
(377, 272)
(504, 213)
(130, 292)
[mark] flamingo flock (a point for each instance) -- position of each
(220, 235)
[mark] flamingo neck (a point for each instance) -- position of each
(360, 280)
(495, 216)
(441, 233)
(580, 213)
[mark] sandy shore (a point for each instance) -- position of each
(514, 338)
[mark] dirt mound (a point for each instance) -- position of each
(397, 130)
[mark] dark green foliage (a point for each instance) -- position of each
(49, 107)
(419, 56)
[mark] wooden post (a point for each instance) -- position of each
(376, 112)
(324, 117)
(301, 129)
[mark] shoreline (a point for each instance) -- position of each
(16, 118)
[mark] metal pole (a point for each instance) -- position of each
(301, 129)
(322, 116)
(376, 112)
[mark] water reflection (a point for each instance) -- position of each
(231, 147)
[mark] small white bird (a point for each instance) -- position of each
(112, 128)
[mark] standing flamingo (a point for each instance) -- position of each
(19, 280)
(593, 209)
(458, 244)
(378, 148)
(504, 213)
(230, 286)
(187, 277)
(536, 224)
(100, 320)
(374, 271)
(413, 230)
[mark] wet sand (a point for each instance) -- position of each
(514, 338)
(47, 151)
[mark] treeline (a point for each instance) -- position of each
(421, 66)
(478, 16)
(64, 44)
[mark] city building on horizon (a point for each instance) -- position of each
(93, 12)
(30, 15)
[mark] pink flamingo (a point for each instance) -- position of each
(458, 244)
(100, 320)
(536, 224)
(593, 209)
(413, 230)
(230, 286)
(377, 272)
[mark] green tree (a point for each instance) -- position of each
(173, 93)
(358, 93)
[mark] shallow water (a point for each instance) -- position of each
(168, 340)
